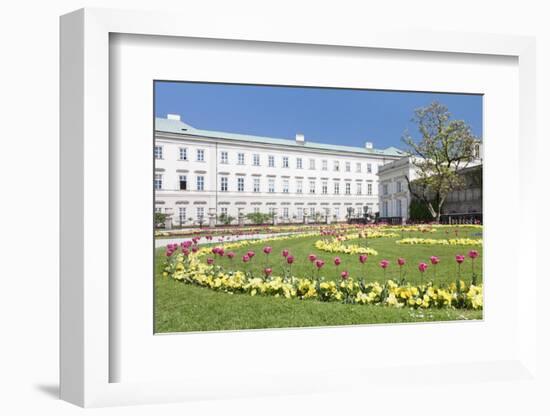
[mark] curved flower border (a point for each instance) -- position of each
(189, 269)
(442, 242)
(338, 247)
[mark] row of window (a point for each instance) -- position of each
(256, 185)
(184, 212)
(398, 188)
(256, 160)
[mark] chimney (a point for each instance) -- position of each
(368, 145)
(173, 117)
(300, 139)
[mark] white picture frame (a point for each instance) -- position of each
(86, 356)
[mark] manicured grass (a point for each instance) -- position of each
(181, 307)
(445, 272)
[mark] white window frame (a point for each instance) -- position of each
(199, 182)
(159, 152)
(224, 157)
(224, 184)
(285, 186)
(182, 151)
(158, 181)
(182, 215)
(200, 155)
(184, 180)
(200, 213)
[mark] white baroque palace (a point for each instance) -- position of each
(200, 175)
(395, 197)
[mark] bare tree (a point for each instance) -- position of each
(445, 147)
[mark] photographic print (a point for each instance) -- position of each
(290, 206)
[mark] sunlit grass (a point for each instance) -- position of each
(181, 307)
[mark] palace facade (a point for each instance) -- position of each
(201, 175)
(395, 196)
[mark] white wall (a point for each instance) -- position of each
(170, 198)
(390, 176)
(29, 108)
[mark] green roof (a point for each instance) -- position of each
(178, 127)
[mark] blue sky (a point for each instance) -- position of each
(337, 116)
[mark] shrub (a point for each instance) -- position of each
(258, 217)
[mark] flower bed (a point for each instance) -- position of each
(336, 246)
(443, 242)
(187, 267)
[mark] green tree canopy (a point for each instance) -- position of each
(445, 147)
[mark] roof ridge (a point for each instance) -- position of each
(188, 129)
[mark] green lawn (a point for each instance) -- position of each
(181, 307)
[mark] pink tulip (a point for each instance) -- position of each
(401, 261)
(215, 250)
(434, 260)
(473, 254)
(230, 255)
(344, 275)
(384, 264)
(210, 260)
(267, 250)
(422, 267)
(363, 258)
(221, 251)
(319, 263)
(285, 253)
(185, 251)
(290, 259)
(459, 258)
(312, 257)
(337, 261)
(250, 254)
(194, 249)
(268, 271)
(246, 258)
